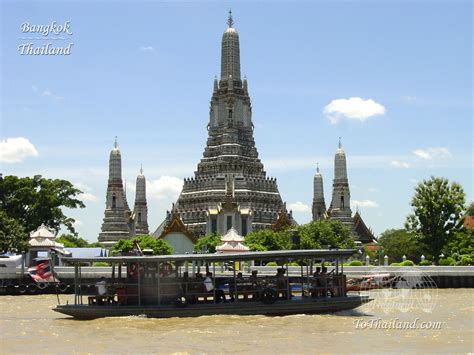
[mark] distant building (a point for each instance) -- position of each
(340, 207)
(119, 221)
(232, 242)
(230, 188)
(176, 234)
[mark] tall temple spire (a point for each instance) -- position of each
(140, 209)
(230, 53)
(340, 208)
(230, 187)
(230, 20)
(116, 223)
(319, 205)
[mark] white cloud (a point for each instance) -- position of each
(166, 187)
(15, 150)
(432, 153)
(87, 196)
(77, 223)
(354, 108)
(147, 49)
(299, 207)
(400, 164)
(364, 203)
(49, 93)
(372, 189)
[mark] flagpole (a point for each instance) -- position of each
(51, 254)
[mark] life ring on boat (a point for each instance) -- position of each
(32, 288)
(21, 288)
(268, 296)
(165, 269)
(181, 301)
(62, 287)
(41, 285)
(135, 269)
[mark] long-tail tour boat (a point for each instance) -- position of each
(209, 284)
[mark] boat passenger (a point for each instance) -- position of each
(317, 283)
(101, 287)
(209, 285)
(281, 281)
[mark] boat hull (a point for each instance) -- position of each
(279, 308)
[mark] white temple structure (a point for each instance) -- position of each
(232, 243)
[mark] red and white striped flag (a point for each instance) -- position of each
(41, 272)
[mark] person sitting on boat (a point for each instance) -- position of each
(209, 285)
(316, 292)
(101, 287)
(326, 282)
(281, 282)
(255, 284)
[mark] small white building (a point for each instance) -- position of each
(42, 240)
(232, 243)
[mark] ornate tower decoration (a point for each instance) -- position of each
(140, 209)
(116, 224)
(230, 170)
(340, 208)
(319, 205)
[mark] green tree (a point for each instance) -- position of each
(461, 243)
(33, 201)
(267, 239)
(159, 246)
(12, 234)
(470, 209)
(438, 208)
(72, 241)
(398, 242)
(324, 233)
(211, 241)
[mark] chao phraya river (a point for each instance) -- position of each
(28, 325)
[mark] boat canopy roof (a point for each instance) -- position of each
(254, 255)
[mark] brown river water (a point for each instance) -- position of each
(29, 326)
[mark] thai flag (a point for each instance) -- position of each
(41, 272)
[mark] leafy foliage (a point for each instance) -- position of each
(12, 234)
(159, 246)
(319, 234)
(33, 201)
(267, 239)
(438, 208)
(398, 242)
(211, 241)
(356, 263)
(72, 241)
(425, 263)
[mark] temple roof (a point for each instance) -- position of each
(175, 225)
(365, 234)
(236, 247)
(232, 236)
(42, 232)
(43, 237)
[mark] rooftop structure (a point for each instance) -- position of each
(230, 188)
(232, 243)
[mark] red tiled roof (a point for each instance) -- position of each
(468, 221)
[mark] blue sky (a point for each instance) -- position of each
(143, 71)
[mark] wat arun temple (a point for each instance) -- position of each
(230, 188)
